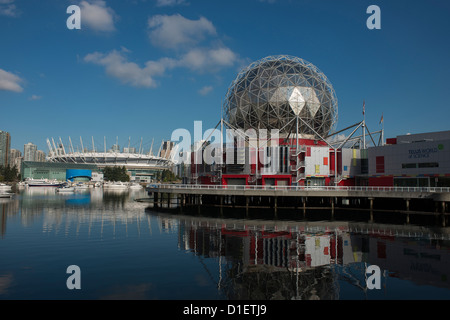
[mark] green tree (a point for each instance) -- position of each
(116, 174)
(168, 176)
(9, 174)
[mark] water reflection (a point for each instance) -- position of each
(71, 210)
(234, 258)
(267, 260)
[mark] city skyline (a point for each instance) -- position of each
(141, 69)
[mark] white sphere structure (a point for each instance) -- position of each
(270, 93)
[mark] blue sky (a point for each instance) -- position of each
(143, 68)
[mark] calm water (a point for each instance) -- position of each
(125, 250)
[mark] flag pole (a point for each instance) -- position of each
(364, 124)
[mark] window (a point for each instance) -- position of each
(420, 165)
(364, 166)
(429, 165)
(380, 164)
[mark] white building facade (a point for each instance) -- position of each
(421, 160)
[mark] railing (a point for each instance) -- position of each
(299, 188)
(300, 165)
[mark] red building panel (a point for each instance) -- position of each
(383, 181)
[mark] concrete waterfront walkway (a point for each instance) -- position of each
(412, 200)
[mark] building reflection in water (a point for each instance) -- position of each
(255, 259)
(71, 211)
(312, 260)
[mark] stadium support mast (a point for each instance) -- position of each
(82, 148)
(62, 145)
(54, 145)
(150, 153)
(71, 145)
(159, 151)
(49, 145)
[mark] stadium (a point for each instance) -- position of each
(141, 166)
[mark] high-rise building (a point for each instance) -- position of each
(5, 146)
(115, 148)
(129, 150)
(29, 152)
(40, 156)
(14, 154)
(166, 150)
(16, 159)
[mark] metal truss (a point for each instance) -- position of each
(273, 91)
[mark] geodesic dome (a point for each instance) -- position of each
(271, 92)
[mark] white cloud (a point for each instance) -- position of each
(201, 60)
(177, 31)
(8, 8)
(204, 59)
(97, 16)
(169, 3)
(10, 81)
(205, 90)
(34, 97)
(117, 66)
(170, 32)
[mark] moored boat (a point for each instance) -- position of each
(4, 187)
(135, 186)
(42, 183)
(65, 189)
(6, 194)
(116, 185)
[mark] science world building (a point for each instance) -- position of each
(271, 93)
(292, 105)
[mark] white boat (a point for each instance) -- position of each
(42, 183)
(135, 186)
(6, 195)
(116, 185)
(4, 187)
(65, 189)
(21, 185)
(81, 186)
